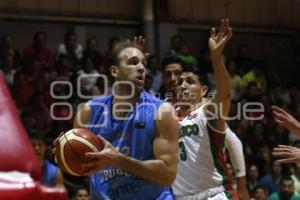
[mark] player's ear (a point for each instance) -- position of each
(114, 71)
(204, 90)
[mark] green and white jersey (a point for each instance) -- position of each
(202, 163)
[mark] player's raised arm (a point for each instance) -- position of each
(217, 42)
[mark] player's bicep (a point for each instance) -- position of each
(165, 145)
(82, 117)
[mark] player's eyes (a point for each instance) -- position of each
(133, 62)
(190, 81)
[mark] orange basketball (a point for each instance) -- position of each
(71, 149)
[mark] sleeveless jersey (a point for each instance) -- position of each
(49, 173)
(201, 156)
(133, 137)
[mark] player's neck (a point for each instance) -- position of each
(124, 93)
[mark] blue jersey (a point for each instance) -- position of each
(133, 137)
(49, 173)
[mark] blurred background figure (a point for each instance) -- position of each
(52, 176)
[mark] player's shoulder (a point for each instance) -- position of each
(146, 97)
(100, 99)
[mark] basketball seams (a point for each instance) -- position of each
(90, 141)
(66, 140)
(63, 141)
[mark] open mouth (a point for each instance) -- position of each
(139, 80)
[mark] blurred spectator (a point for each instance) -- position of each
(88, 75)
(107, 59)
(263, 160)
(190, 61)
(286, 191)
(70, 48)
(39, 50)
(176, 43)
(8, 69)
(235, 81)
(148, 85)
(7, 48)
(278, 96)
(260, 193)
(64, 68)
(39, 114)
(271, 180)
(91, 52)
(205, 61)
(257, 75)
(296, 178)
(52, 175)
(81, 193)
(153, 70)
(22, 91)
(252, 177)
(256, 136)
(243, 59)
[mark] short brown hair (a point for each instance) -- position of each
(119, 47)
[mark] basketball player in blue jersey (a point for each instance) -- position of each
(140, 132)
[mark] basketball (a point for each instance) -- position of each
(71, 148)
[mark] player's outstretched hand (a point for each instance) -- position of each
(103, 159)
(286, 120)
(217, 41)
(287, 154)
(141, 41)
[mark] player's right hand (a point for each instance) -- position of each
(103, 159)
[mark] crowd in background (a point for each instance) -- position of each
(48, 110)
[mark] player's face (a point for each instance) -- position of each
(287, 188)
(132, 67)
(39, 148)
(82, 195)
(170, 77)
(260, 194)
(191, 90)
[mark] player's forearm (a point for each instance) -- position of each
(235, 149)
(222, 84)
(156, 171)
(221, 76)
(242, 188)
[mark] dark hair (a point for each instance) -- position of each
(89, 40)
(112, 41)
(76, 189)
(285, 178)
(201, 76)
(119, 47)
(37, 34)
(252, 83)
(70, 32)
(172, 60)
(33, 135)
(257, 187)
